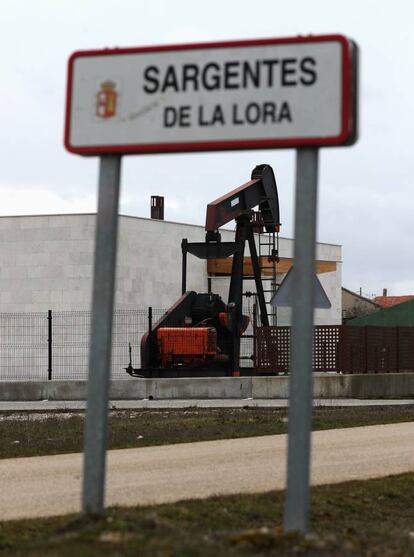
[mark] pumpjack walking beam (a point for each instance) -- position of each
(260, 191)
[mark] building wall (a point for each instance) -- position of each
(46, 262)
(354, 305)
(149, 262)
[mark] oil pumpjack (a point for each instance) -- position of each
(200, 334)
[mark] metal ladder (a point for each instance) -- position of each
(268, 258)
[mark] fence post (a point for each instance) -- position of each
(366, 348)
(150, 331)
(49, 345)
(397, 349)
(149, 321)
(254, 337)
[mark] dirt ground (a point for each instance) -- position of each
(50, 485)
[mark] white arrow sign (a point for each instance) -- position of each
(285, 293)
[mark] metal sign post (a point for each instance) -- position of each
(101, 335)
(300, 395)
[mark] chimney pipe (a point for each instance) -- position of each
(157, 207)
(384, 292)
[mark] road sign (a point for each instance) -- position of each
(253, 94)
(298, 92)
(285, 294)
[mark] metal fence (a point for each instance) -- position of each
(273, 348)
(23, 346)
(340, 348)
(375, 349)
(55, 345)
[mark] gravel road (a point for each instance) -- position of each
(50, 485)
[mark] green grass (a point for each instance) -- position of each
(61, 432)
(371, 518)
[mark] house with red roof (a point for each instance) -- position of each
(390, 301)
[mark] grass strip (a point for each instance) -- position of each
(359, 518)
(35, 434)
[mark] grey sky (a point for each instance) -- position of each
(366, 200)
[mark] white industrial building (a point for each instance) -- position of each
(46, 262)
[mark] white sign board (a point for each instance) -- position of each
(235, 95)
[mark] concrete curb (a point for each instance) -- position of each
(325, 386)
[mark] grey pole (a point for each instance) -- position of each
(101, 335)
(300, 396)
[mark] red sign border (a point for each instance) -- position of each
(346, 135)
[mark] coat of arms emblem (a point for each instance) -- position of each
(106, 99)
